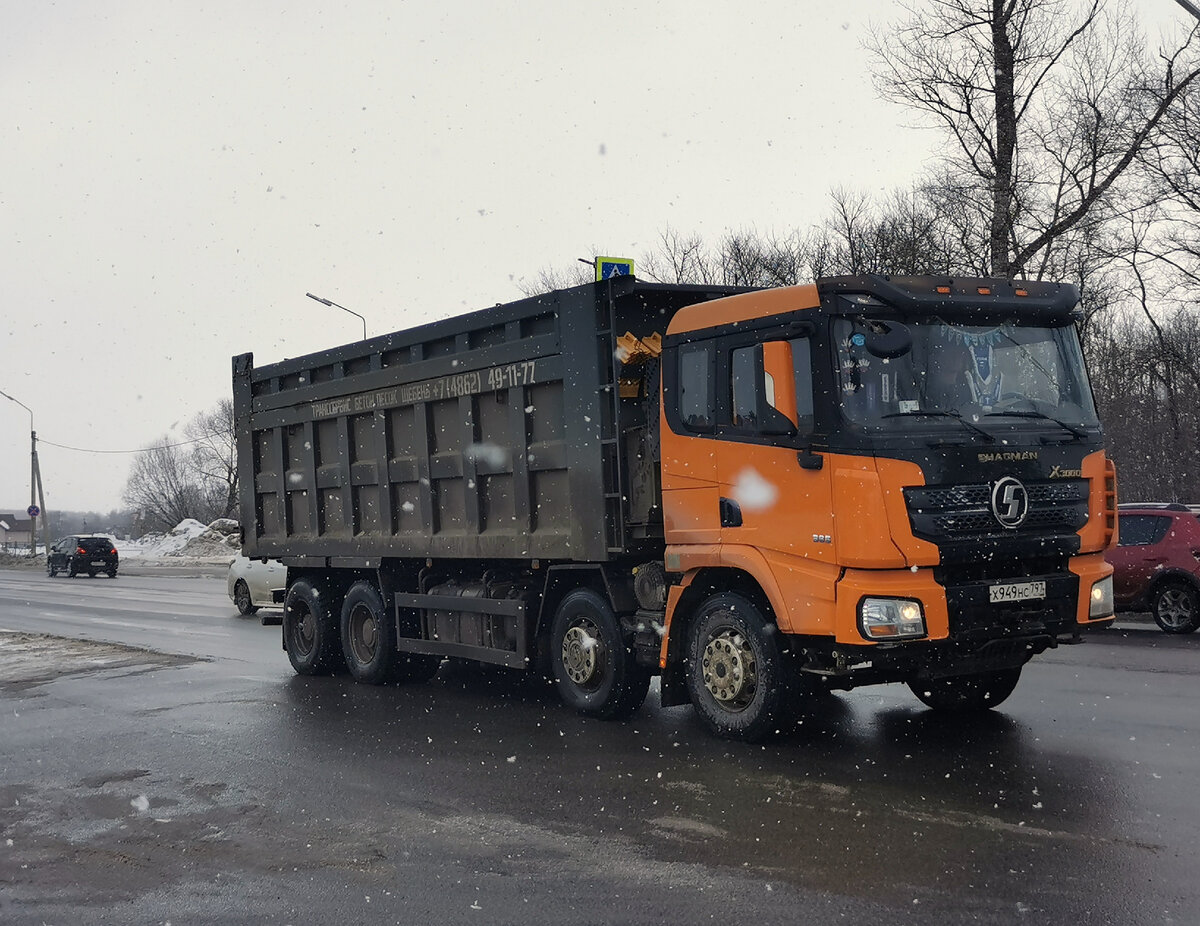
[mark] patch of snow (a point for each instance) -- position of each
(187, 540)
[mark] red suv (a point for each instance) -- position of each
(1157, 564)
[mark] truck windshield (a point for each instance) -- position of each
(1002, 372)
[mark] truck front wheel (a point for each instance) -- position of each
(310, 629)
(368, 637)
(967, 693)
(595, 672)
(737, 675)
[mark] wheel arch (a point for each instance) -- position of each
(697, 587)
(1170, 576)
(561, 580)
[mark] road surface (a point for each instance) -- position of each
(185, 775)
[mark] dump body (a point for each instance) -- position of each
(495, 435)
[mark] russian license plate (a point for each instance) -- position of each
(1016, 591)
(97, 562)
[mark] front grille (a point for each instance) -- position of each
(957, 512)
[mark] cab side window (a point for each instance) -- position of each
(742, 385)
(744, 375)
(802, 362)
(697, 387)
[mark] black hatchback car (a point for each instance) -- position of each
(82, 553)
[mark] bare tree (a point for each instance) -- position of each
(163, 488)
(905, 234)
(739, 258)
(1147, 392)
(169, 482)
(1172, 169)
(680, 259)
(214, 457)
(551, 278)
(1047, 104)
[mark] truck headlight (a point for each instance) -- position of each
(890, 618)
(1101, 604)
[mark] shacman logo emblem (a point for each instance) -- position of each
(1010, 501)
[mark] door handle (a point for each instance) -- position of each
(810, 460)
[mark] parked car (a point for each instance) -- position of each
(90, 553)
(1157, 564)
(255, 583)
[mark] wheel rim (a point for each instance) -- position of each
(243, 596)
(364, 634)
(583, 654)
(1176, 608)
(306, 633)
(730, 670)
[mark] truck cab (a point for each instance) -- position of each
(900, 479)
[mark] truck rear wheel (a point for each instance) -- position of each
(310, 629)
(596, 673)
(967, 693)
(739, 680)
(368, 637)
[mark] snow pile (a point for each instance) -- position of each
(189, 539)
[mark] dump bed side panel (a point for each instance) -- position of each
(473, 437)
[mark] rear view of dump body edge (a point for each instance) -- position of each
(755, 494)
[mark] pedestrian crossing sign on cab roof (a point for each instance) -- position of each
(613, 267)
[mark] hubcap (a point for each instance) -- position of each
(583, 653)
(306, 632)
(730, 671)
(364, 634)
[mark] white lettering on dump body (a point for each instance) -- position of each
(454, 386)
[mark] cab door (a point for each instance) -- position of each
(775, 496)
(691, 499)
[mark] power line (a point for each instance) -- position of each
(197, 440)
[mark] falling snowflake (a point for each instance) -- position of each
(492, 454)
(753, 492)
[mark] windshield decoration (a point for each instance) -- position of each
(981, 376)
(978, 369)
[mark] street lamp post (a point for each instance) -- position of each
(38, 503)
(342, 307)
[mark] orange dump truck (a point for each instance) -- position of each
(757, 495)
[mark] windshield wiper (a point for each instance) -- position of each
(1078, 432)
(941, 413)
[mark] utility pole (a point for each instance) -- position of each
(37, 505)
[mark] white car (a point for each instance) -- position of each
(255, 584)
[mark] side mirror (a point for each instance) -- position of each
(777, 412)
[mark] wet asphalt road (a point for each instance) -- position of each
(204, 783)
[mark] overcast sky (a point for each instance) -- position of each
(175, 177)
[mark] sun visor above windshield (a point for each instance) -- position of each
(960, 297)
